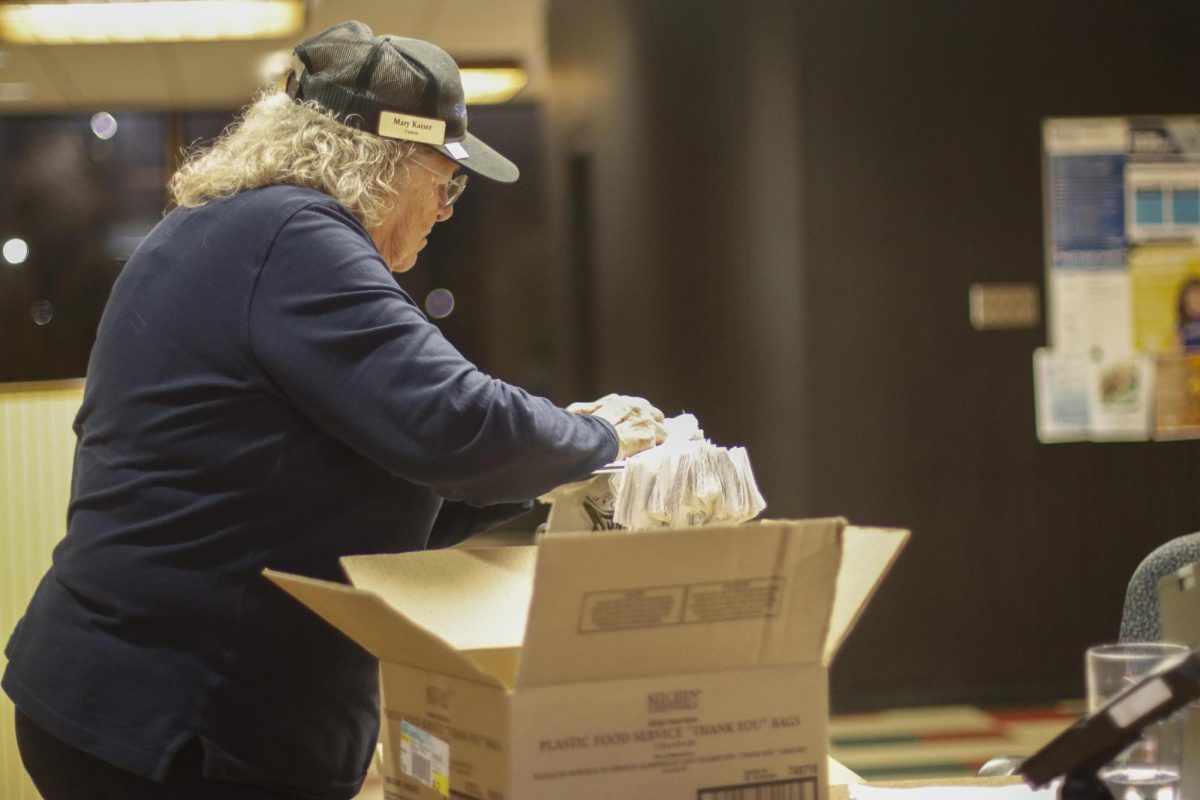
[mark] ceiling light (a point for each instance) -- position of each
(104, 125)
(274, 66)
(439, 303)
(481, 84)
(149, 21)
(484, 85)
(42, 312)
(15, 251)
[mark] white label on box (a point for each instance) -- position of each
(425, 758)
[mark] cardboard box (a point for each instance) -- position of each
(666, 665)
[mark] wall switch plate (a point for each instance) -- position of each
(1005, 306)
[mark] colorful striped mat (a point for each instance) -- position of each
(945, 741)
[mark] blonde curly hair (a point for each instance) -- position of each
(280, 141)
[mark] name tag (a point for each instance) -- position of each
(395, 125)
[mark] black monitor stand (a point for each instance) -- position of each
(1083, 781)
(1084, 786)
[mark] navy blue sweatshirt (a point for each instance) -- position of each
(260, 394)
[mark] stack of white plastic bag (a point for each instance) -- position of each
(686, 481)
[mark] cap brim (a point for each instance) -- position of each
(480, 159)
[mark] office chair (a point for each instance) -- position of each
(1140, 616)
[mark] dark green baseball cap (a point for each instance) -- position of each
(394, 87)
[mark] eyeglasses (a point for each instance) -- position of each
(451, 190)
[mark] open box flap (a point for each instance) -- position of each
(619, 605)
(379, 628)
(475, 599)
(867, 555)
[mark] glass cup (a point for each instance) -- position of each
(1149, 769)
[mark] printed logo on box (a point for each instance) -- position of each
(678, 700)
(438, 696)
(425, 758)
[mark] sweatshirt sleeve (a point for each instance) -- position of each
(352, 351)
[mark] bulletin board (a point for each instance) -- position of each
(1122, 216)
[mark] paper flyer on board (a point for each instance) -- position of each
(1165, 280)
(1085, 192)
(1120, 393)
(1093, 312)
(1162, 201)
(1061, 393)
(1177, 397)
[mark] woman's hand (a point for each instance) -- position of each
(639, 425)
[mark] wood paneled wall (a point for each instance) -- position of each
(37, 446)
(788, 202)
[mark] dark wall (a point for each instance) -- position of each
(682, 271)
(78, 202)
(787, 202)
(491, 255)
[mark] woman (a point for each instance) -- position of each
(262, 394)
